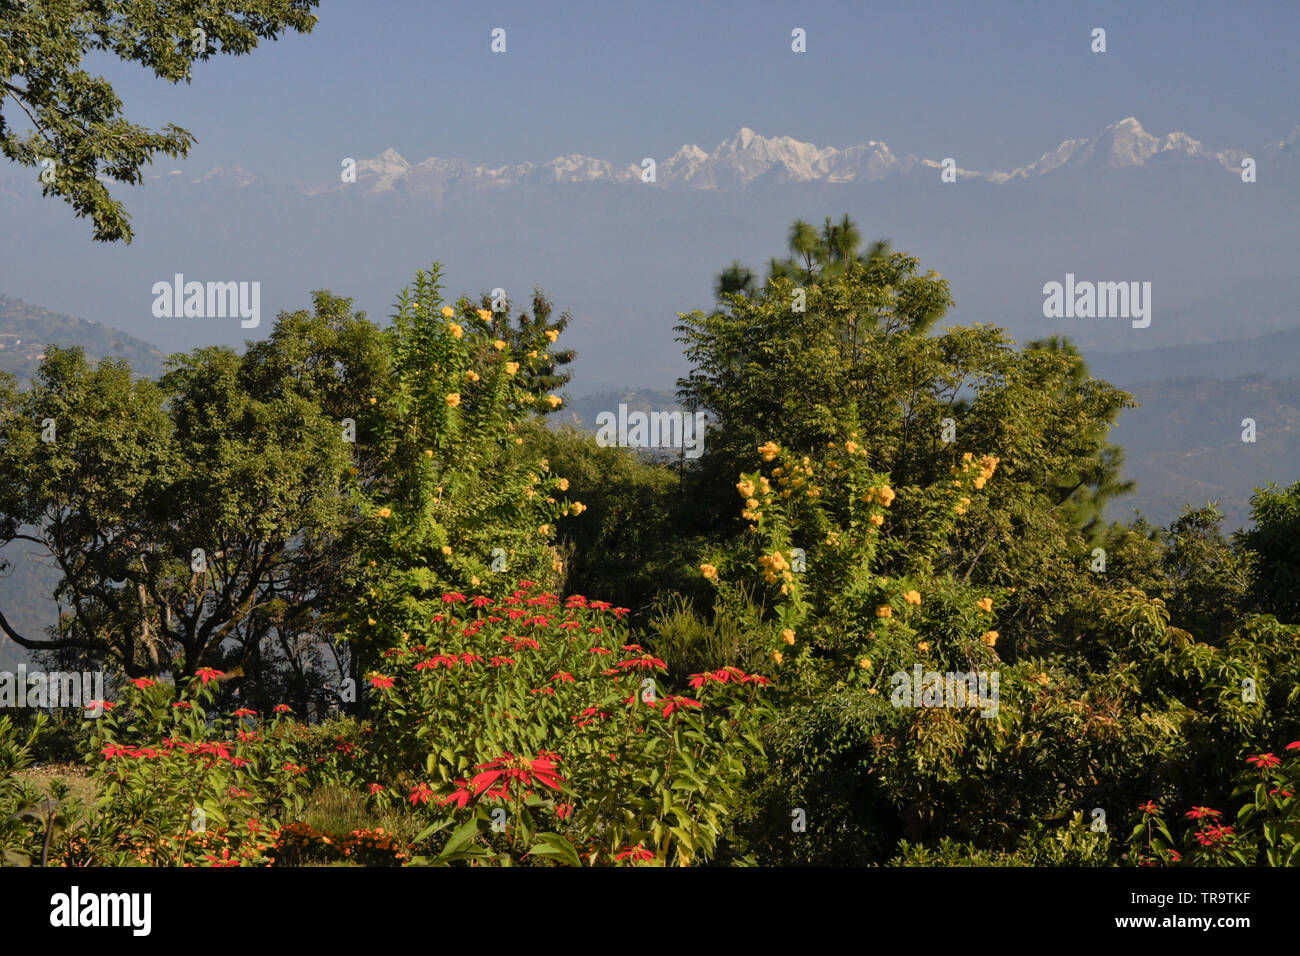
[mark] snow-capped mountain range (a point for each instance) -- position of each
(747, 158)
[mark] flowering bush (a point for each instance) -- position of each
(1266, 831)
(535, 727)
(449, 497)
(179, 784)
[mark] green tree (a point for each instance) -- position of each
(76, 118)
(847, 350)
(1275, 540)
(198, 519)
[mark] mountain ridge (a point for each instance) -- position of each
(747, 156)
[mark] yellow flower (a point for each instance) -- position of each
(886, 495)
(554, 401)
(778, 656)
(577, 507)
(544, 530)
(533, 354)
(985, 604)
(877, 520)
(384, 512)
(865, 663)
(519, 441)
(989, 638)
(499, 344)
(912, 597)
(512, 367)
(871, 690)
(979, 482)
(1043, 680)
(373, 400)
(552, 335)
(485, 315)
(851, 447)
(787, 635)
(769, 450)
(447, 311)
(428, 453)
(471, 376)
(923, 646)
(446, 549)
(455, 330)
(453, 399)
(746, 488)
(474, 581)
(709, 571)
(563, 484)
(884, 611)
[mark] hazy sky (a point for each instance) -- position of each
(993, 84)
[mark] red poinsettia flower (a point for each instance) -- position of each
(482, 601)
(562, 676)
(143, 682)
(527, 584)
(205, 674)
(1293, 745)
(471, 659)
(635, 853)
(282, 709)
(758, 679)
(507, 767)
(1275, 792)
(570, 625)
(420, 793)
(243, 712)
(117, 750)
(1264, 761)
(680, 703)
(600, 605)
(1201, 813)
(438, 660)
(183, 704)
(106, 704)
(454, 597)
(376, 788)
(1149, 808)
(380, 682)
(502, 661)
(564, 810)
(600, 650)
(644, 662)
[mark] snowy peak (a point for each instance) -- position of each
(1121, 145)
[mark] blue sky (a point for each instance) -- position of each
(992, 84)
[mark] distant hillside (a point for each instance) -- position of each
(1276, 355)
(1183, 446)
(26, 330)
